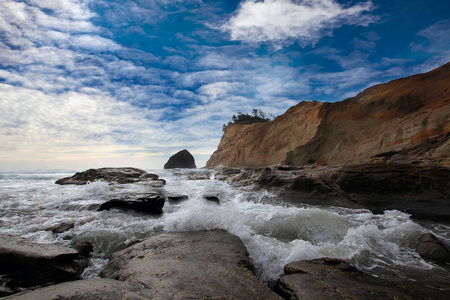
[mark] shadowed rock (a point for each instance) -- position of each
(182, 159)
(31, 264)
(329, 278)
(151, 203)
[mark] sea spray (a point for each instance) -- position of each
(273, 232)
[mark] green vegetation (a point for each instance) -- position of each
(257, 116)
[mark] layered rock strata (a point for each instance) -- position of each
(422, 190)
(386, 118)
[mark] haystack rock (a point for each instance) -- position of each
(182, 159)
(380, 122)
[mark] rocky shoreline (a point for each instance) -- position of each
(215, 264)
(188, 265)
(419, 189)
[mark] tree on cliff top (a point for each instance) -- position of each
(257, 116)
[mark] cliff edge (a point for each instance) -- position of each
(405, 119)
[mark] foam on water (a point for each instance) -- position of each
(381, 245)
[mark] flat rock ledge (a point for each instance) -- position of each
(113, 175)
(330, 278)
(28, 264)
(186, 265)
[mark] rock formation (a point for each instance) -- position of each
(29, 264)
(112, 175)
(329, 278)
(151, 203)
(381, 121)
(182, 159)
(189, 265)
(422, 190)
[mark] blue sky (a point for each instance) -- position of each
(91, 83)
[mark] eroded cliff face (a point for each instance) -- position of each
(389, 118)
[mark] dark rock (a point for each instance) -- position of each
(31, 264)
(60, 228)
(214, 199)
(177, 198)
(151, 203)
(84, 248)
(329, 278)
(429, 247)
(111, 175)
(182, 159)
(189, 265)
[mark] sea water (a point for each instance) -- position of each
(274, 233)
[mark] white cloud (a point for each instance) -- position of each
(220, 89)
(283, 21)
(94, 43)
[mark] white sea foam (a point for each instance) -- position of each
(274, 234)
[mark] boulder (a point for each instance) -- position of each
(212, 198)
(175, 198)
(189, 265)
(429, 247)
(62, 227)
(30, 264)
(151, 203)
(330, 278)
(111, 175)
(182, 159)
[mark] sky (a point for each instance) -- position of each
(96, 83)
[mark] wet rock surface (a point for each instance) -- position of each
(189, 265)
(182, 159)
(29, 264)
(150, 203)
(430, 248)
(329, 278)
(422, 190)
(112, 175)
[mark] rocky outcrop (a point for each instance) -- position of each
(329, 278)
(385, 119)
(422, 190)
(150, 203)
(182, 159)
(113, 175)
(189, 265)
(95, 288)
(429, 247)
(30, 264)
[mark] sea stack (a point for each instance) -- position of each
(182, 159)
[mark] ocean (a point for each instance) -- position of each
(275, 233)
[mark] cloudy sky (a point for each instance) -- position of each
(91, 83)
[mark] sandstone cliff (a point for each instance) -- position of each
(383, 121)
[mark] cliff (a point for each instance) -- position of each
(407, 118)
